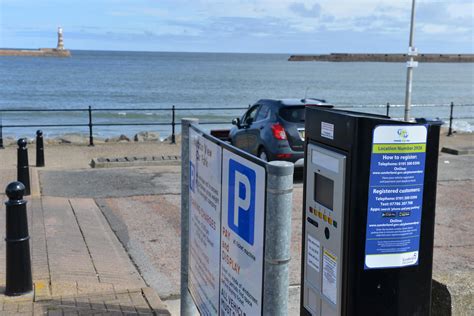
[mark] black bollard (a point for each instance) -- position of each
(18, 271)
(23, 171)
(39, 149)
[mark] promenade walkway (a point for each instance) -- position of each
(79, 266)
(107, 240)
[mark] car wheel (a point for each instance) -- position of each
(262, 154)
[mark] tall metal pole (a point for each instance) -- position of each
(1, 132)
(410, 65)
(277, 237)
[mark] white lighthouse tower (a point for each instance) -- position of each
(60, 39)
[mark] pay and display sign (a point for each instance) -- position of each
(226, 230)
(243, 227)
(205, 160)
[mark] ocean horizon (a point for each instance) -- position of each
(119, 80)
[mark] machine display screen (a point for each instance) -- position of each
(323, 191)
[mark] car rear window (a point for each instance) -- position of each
(293, 114)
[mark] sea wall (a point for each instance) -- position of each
(42, 52)
(425, 58)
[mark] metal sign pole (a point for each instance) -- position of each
(187, 304)
(278, 237)
(410, 65)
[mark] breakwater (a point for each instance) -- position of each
(346, 57)
(42, 52)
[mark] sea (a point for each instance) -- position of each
(141, 87)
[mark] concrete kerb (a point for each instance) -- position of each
(173, 160)
(155, 302)
(458, 151)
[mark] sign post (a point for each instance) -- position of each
(186, 304)
(230, 270)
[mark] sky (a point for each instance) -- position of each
(249, 26)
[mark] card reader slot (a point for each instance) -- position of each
(312, 222)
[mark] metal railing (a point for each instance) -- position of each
(451, 117)
(90, 123)
(173, 121)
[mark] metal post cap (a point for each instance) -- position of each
(15, 190)
(280, 168)
(22, 143)
(39, 133)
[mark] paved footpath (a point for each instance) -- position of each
(79, 266)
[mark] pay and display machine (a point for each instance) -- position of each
(368, 216)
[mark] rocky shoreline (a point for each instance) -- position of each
(83, 139)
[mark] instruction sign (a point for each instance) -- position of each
(242, 240)
(330, 276)
(204, 222)
(397, 169)
(226, 229)
(313, 252)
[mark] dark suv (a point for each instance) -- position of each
(274, 129)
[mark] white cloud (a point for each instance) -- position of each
(232, 19)
(153, 12)
(434, 28)
(429, 28)
(461, 10)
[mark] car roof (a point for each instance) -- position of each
(294, 101)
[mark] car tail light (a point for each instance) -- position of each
(283, 156)
(278, 131)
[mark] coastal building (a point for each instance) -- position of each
(60, 38)
(59, 51)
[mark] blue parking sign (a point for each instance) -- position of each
(242, 234)
(241, 203)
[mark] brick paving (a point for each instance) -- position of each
(131, 302)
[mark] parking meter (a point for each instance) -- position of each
(368, 214)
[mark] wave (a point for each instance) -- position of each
(463, 119)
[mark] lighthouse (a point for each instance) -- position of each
(60, 39)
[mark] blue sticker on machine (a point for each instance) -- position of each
(397, 169)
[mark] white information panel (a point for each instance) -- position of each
(397, 176)
(314, 249)
(204, 222)
(242, 240)
(330, 276)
